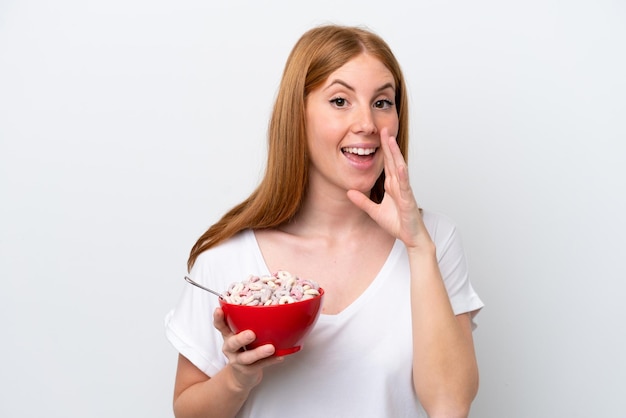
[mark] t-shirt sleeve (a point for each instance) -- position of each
(189, 326)
(453, 265)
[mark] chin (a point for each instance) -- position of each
(366, 190)
(363, 184)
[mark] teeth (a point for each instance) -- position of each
(360, 151)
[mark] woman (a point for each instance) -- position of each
(395, 335)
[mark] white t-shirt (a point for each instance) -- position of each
(357, 363)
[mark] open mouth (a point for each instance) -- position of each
(358, 152)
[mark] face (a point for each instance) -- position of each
(344, 118)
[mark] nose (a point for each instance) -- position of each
(364, 122)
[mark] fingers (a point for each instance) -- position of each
(396, 177)
(363, 202)
(232, 342)
(234, 346)
(388, 157)
(395, 165)
(246, 366)
(259, 356)
(219, 322)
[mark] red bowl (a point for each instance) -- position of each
(283, 326)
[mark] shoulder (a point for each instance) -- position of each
(232, 260)
(445, 234)
(439, 226)
(228, 251)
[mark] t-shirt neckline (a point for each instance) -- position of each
(365, 297)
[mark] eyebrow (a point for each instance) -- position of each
(349, 87)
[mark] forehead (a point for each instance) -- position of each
(364, 67)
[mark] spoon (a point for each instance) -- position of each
(203, 288)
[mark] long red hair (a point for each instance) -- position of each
(317, 54)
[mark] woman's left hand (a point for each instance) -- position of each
(398, 213)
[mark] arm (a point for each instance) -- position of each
(197, 395)
(445, 373)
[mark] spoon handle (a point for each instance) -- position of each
(202, 287)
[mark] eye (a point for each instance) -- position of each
(383, 104)
(339, 102)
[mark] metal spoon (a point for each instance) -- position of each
(204, 288)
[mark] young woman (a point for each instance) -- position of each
(395, 335)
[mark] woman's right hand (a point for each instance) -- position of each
(246, 365)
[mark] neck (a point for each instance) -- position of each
(329, 216)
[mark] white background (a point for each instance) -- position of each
(127, 127)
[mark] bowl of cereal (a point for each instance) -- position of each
(281, 309)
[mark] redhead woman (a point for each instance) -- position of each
(394, 338)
